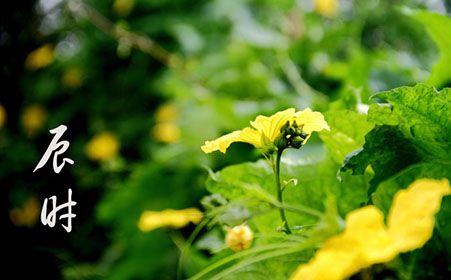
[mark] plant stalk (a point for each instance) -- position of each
(279, 191)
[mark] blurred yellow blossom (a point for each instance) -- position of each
(72, 78)
(411, 217)
(102, 147)
(167, 132)
(33, 118)
(123, 7)
(266, 130)
(26, 215)
(166, 113)
(239, 237)
(2, 116)
(40, 58)
(366, 240)
(151, 220)
(165, 129)
(327, 8)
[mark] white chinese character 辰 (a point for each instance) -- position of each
(54, 146)
(50, 218)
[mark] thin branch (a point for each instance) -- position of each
(295, 78)
(141, 42)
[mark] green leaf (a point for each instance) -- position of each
(438, 27)
(232, 181)
(316, 181)
(418, 128)
(386, 150)
(213, 241)
(281, 267)
(347, 133)
(424, 116)
(349, 100)
(380, 115)
(331, 224)
(443, 226)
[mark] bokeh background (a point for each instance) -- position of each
(141, 84)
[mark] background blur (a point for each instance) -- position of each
(141, 84)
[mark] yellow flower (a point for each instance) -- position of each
(123, 7)
(411, 217)
(72, 78)
(328, 8)
(310, 121)
(166, 113)
(2, 116)
(266, 130)
(40, 58)
(27, 214)
(166, 132)
(239, 237)
(33, 118)
(366, 240)
(102, 147)
(151, 220)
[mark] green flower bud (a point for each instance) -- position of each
(298, 132)
(281, 141)
(284, 127)
(296, 142)
(291, 130)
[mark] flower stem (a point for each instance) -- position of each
(279, 191)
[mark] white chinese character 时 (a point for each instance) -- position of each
(58, 148)
(50, 218)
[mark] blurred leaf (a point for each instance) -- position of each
(438, 27)
(331, 224)
(349, 99)
(148, 188)
(442, 226)
(347, 133)
(281, 267)
(213, 241)
(387, 189)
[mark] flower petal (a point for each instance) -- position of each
(247, 135)
(251, 136)
(267, 129)
(338, 253)
(364, 242)
(411, 218)
(40, 58)
(366, 225)
(222, 143)
(151, 220)
(311, 121)
(367, 241)
(102, 147)
(270, 126)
